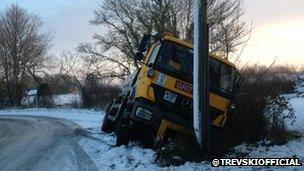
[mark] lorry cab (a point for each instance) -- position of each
(159, 95)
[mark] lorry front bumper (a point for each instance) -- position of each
(146, 112)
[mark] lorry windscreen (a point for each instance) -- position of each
(177, 60)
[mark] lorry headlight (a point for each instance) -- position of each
(143, 113)
(150, 73)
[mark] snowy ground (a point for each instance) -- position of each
(100, 147)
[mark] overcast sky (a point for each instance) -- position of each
(278, 26)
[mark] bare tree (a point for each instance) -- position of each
(92, 80)
(113, 64)
(124, 22)
(23, 48)
(72, 65)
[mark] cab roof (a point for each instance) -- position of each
(189, 45)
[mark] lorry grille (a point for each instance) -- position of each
(183, 105)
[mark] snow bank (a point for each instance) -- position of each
(108, 157)
(298, 105)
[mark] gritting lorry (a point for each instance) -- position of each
(158, 97)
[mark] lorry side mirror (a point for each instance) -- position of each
(139, 56)
(144, 42)
(237, 84)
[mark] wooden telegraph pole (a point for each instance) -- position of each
(201, 77)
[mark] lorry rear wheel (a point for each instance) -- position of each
(122, 136)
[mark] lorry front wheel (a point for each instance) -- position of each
(122, 135)
(108, 126)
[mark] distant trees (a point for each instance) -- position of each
(96, 90)
(124, 22)
(23, 49)
(97, 93)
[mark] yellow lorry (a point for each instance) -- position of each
(158, 97)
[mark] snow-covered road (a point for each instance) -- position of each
(41, 143)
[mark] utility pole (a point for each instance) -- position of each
(201, 77)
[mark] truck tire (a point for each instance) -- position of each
(122, 136)
(107, 126)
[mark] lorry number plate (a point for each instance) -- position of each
(170, 97)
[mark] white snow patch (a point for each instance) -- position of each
(67, 99)
(32, 92)
(59, 100)
(108, 157)
(298, 105)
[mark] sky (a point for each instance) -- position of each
(278, 26)
(278, 31)
(68, 19)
